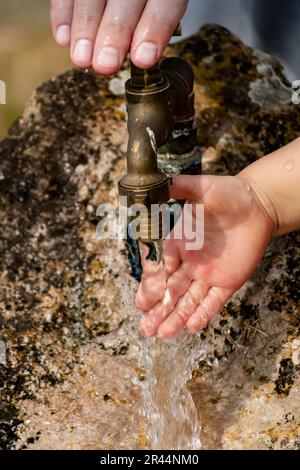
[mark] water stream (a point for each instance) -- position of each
(167, 407)
(170, 415)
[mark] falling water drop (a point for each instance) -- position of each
(289, 166)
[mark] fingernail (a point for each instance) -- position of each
(83, 51)
(108, 57)
(146, 53)
(63, 34)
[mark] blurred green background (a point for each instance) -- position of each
(28, 54)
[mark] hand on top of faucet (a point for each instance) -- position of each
(101, 32)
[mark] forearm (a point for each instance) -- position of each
(276, 182)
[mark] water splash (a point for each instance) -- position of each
(168, 413)
(167, 409)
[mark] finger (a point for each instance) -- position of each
(155, 29)
(183, 310)
(190, 187)
(152, 286)
(210, 307)
(61, 19)
(177, 284)
(86, 18)
(115, 34)
(153, 283)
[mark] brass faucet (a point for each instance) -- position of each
(160, 106)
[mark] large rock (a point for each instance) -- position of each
(64, 384)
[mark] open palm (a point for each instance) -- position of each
(194, 285)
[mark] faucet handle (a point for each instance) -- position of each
(142, 78)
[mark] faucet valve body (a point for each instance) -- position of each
(159, 101)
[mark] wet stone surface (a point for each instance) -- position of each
(64, 381)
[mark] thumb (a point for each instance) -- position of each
(191, 187)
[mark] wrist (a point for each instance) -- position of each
(275, 181)
(264, 200)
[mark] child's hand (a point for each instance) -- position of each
(101, 32)
(237, 232)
